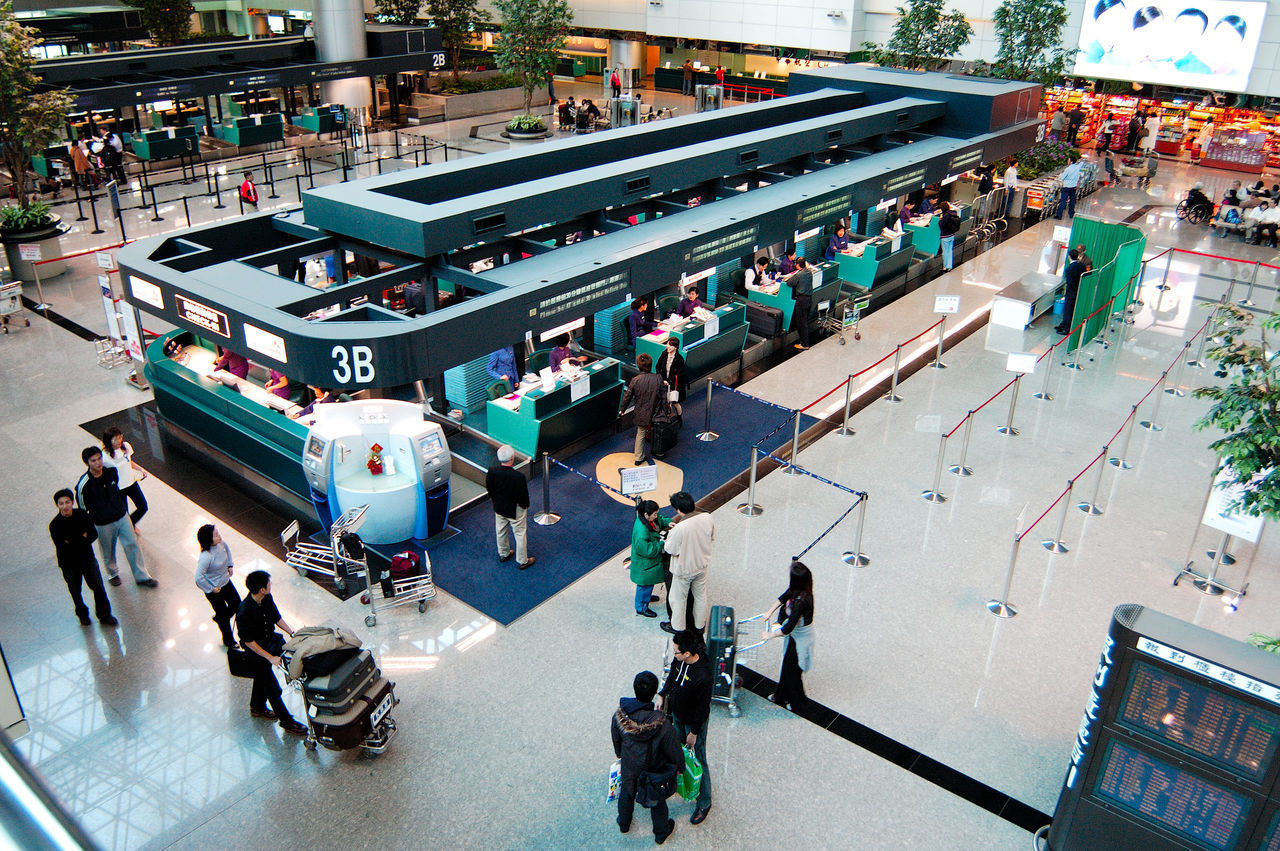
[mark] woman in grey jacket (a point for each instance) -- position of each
(213, 577)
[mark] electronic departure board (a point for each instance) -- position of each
(1272, 840)
(1213, 725)
(1172, 796)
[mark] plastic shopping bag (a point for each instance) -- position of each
(615, 781)
(690, 782)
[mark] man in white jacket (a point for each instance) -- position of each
(689, 544)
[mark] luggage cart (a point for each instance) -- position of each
(725, 637)
(842, 317)
(366, 723)
(326, 560)
(399, 592)
(11, 303)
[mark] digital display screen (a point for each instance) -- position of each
(430, 445)
(315, 446)
(1176, 800)
(1272, 841)
(1217, 727)
(1206, 44)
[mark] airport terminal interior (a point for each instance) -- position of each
(934, 722)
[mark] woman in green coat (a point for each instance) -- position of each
(646, 554)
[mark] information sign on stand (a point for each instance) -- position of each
(132, 336)
(113, 192)
(946, 304)
(638, 480)
(105, 260)
(1023, 363)
(1218, 515)
(109, 308)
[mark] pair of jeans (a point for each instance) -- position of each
(948, 252)
(688, 87)
(643, 595)
(225, 602)
(1067, 201)
(88, 574)
(134, 493)
(121, 530)
(700, 751)
(519, 526)
(627, 805)
(686, 589)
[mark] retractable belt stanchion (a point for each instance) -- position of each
(1044, 395)
(792, 469)
(960, 469)
(80, 216)
(707, 435)
(1119, 461)
(186, 210)
(1091, 507)
(1247, 301)
(546, 517)
(892, 395)
(749, 508)
(155, 212)
(1000, 606)
(1176, 388)
(942, 331)
(1164, 279)
(1008, 428)
(217, 192)
(93, 207)
(845, 429)
(855, 557)
(934, 494)
(1056, 544)
(1152, 424)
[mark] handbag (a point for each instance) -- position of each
(241, 664)
(654, 787)
(690, 782)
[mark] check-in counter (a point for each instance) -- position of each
(255, 130)
(705, 346)
(928, 239)
(239, 423)
(672, 79)
(165, 144)
(826, 286)
(322, 119)
(538, 419)
(876, 260)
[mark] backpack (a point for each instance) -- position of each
(1233, 216)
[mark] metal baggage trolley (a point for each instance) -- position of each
(367, 724)
(842, 317)
(404, 592)
(725, 647)
(326, 560)
(11, 303)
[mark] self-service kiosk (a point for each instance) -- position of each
(407, 492)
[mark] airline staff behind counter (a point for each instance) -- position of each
(690, 302)
(561, 354)
(837, 242)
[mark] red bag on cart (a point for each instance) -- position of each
(405, 565)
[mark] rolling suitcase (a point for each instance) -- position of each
(664, 435)
(721, 629)
(765, 321)
(348, 728)
(336, 692)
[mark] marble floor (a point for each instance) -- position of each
(143, 737)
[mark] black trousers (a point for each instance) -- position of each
(87, 574)
(802, 317)
(225, 602)
(627, 804)
(266, 689)
(1069, 306)
(134, 492)
(791, 680)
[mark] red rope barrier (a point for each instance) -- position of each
(825, 395)
(79, 254)
(921, 334)
(1089, 466)
(1219, 257)
(874, 365)
(963, 420)
(993, 398)
(1046, 512)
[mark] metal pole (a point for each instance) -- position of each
(1227, 558)
(1176, 389)
(1247, 301)
(1091, 507)
(1075, 353)
(1044, 395)
(844, 429)
(93, 206)
(749, 508)
(892, 395)
(934, 494)
(1055, 544)
(1119, 461)
(855, 557)
(937, 359)
(1000, 606)
(217, 192)
(1230, 289)
(396, 133)
(80, 216)
(155, 213)
(186, 209)
(271, 181)
(208, 183)
(1198, 361)
(43, 305)
(1152, 424)
(792, 468)
(960, 469)
(297, 184)
(1209, 585)
(707, 435)
(546, 517)
(1008, 428)
(1164, 279)
(344, 160)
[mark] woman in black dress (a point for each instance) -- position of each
(671, 368)
(795, 625)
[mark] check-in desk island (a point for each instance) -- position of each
(705, 346)
(826, 287)
(870, 263)
(538, 419)
(247, 424)
(926, 237)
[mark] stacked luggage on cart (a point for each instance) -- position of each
(348, 700)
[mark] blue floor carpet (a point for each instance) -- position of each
(593, 526)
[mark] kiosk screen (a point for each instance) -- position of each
(430, 445)
(1176, 800)
(315, 447)
(1215, 726)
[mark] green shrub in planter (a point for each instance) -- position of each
(15, 218)
(527, 124)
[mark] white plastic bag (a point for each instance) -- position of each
(615, 781)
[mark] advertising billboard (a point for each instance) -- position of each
(1204, 44)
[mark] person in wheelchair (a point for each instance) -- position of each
(1196, 206)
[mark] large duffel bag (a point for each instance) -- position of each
(336, 692)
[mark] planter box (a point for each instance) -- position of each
(47, 238)
(484, 103)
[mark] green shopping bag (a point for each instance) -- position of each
(690, 781)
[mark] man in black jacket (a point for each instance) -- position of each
(687, 696)
(510, 494)
(73, 534)
(98, 493)
(1071, 276)
(801, 283)
(256, 623)
(645, 741)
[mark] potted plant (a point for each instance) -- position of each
(533, 33)
(29, 122)
(526, 126)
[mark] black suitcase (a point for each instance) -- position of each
(347, 729)
(765, 321)
(720, 650)
(664, 435)
(334, 693)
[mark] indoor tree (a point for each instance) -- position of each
(532, 35)
(403, 12)
(456, 20)
(1030, 37)
(29, 120)
(925, 36)
(169, 21)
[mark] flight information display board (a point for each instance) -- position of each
(1209, 723)
(1177, 799)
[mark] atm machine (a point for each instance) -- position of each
(408, 497)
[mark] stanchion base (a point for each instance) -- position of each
(1195, 364)
(1074, 365)
(1090, 509)
(1227, 558)
(1209, 589)
(1055, 546)
(845, 432)
(1009, 430)
(44, 305)
(1043, 397)
(707, 436)
(1001, 609)
(546, 518)
(933, 496)
(1150, 426)
(1120, 463)
(856, 559)
(746, 509)
(938, 365)
(891, 397)
(1175, 391)
(1247, 302)
(962, 472)
(792, 470)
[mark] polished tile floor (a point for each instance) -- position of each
(503, 743)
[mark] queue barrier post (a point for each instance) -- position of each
(1075, 353)
(845, 430)
(961, 469)
(749, 508)
(546, 517)
(1247, 301)
(93, 207)
(186, 209)
(1176, 388)
(44, 304)
(942, 330)
(707, 435)
(1198, 361)
(80, 216)
(1119, 461)
(792, 469)
(208, 182)
(1008, 428)
(934, 494)
(1043, 394)
(155, 212)
(1153, 423)
(892, 395)
(1000, 606)
(217, 192)
(1056, 544)
(1091, 506)
(856, 557)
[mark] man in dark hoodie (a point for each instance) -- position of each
(687, 693)
(644, 740)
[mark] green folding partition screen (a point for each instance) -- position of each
(1116, 250)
